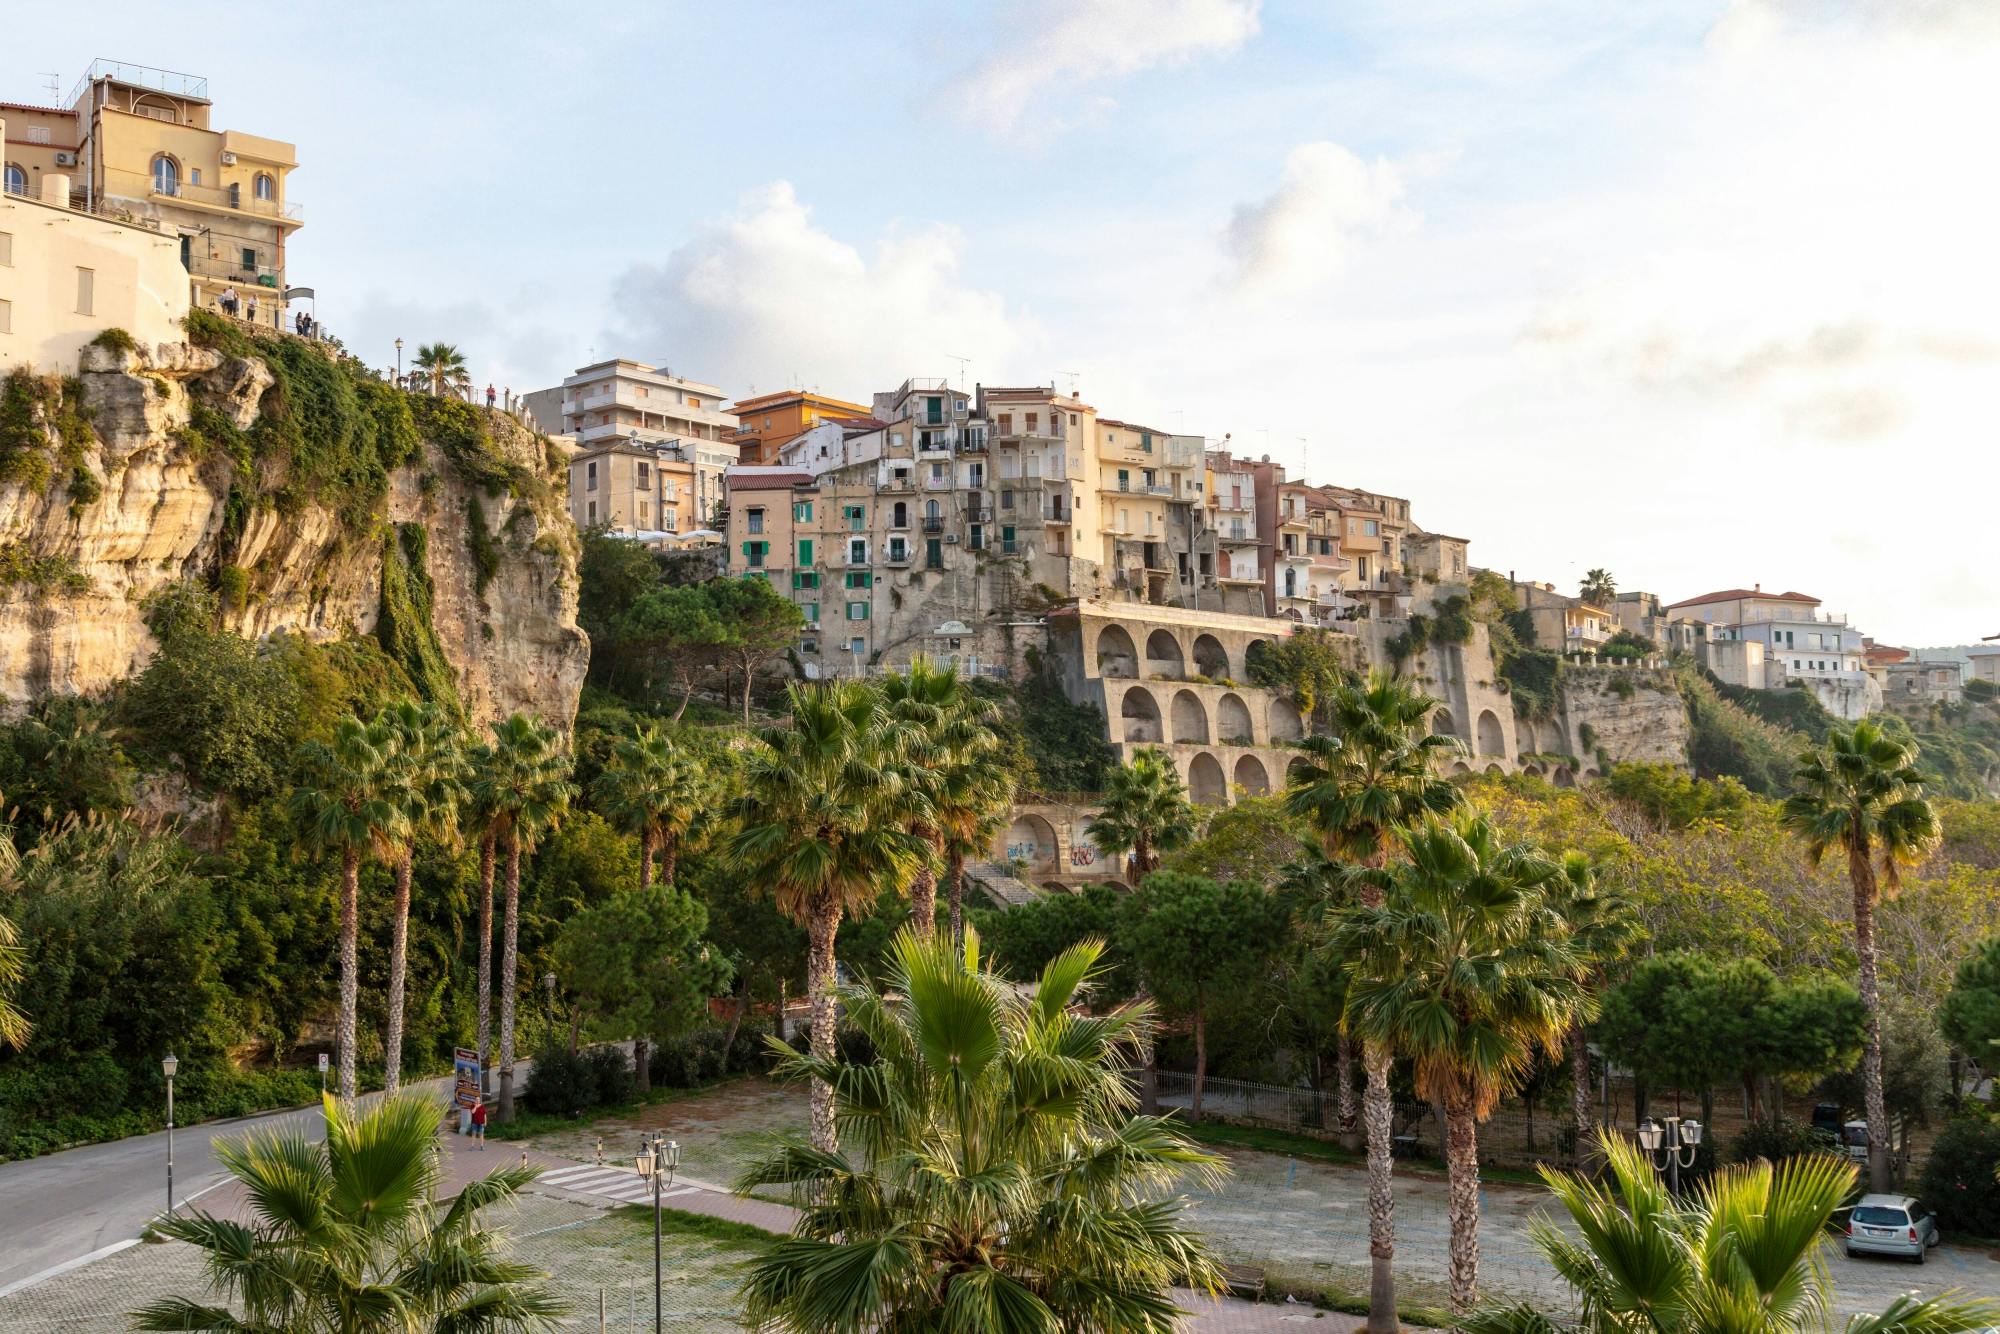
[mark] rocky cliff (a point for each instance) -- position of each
(313, 499)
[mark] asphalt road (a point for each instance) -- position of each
(64, 1206)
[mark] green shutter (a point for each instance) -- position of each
(805, 551)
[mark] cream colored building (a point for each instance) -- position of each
(629, 410)
(66, 277)
(138, 144)
(1801, 644)
(1985, 664)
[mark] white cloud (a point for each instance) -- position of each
(765, 294)
(1050, 58)
(1301, 235)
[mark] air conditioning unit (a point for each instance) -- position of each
(951, 539)
(229, 159)
(65, 159)
(812, 627)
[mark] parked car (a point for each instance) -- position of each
(1892, 1225)
(1854, 1140)
(1829, 1117)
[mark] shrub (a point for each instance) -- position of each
(689, 1060)
(1962, 1177)
(748, 1053)
(115, 340)
(610, 1074)
(1779, 1138)
(560, 1084)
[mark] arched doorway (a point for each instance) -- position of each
(1210, 659)
(1140, 715)
(1286, 725)
(1295, 772)
(1115, 654)
(1492, 741)
(1190, 719)
(1256, 650)
(1206, 784)
(1441, 723)
(1251, 777)
(1031, 841)
(1232, 721)
(1564, 778)
(1163, 655)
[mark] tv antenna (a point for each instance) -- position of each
(962, 363)
(53, 84)
(1072, 381)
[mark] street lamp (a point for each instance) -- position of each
(168, 1066)
(399, 363)
(1664, 1144)
(656, 1162)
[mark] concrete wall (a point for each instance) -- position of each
(136, 282)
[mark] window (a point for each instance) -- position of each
(1006, 499)
(755, 552)
(591, 511)
(805, 551)
(6, 250)
(805, 579)
(166, 176)
(86, 291)
(934, 553)
(857, 551)
(1034, 423)
(857, 611)
(811, 609)
(1124, 479)
(6, 316)
(645, 473)
(645, 513)
(1006, 418)
(756, 520)
(857, 518)
(900, 516)
(590, 476)
(266, 187)
(860, 579)
(857, 646)
(802, 511)
(673, 520)
(17, 179)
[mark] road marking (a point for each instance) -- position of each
(609, 1182)
(67, 1265)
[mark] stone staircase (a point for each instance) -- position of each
(1001, 883)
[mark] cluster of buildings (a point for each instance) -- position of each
(122, 206)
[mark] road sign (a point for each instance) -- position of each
(465, 1078)
(322, 1062)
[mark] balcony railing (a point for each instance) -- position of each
(897, 556)
(137, 185)
(937, 483)
(166, 81)
(933, 526)
(261, 275)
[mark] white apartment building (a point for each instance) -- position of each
(632, 408)
(1800, 643)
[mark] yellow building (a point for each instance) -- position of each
(137, 145)
(66, 277)
(770, 420)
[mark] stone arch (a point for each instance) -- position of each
(1441, 723)
(1492, 741)
(1210, 658)
(1253, 653)
(1163, 655)
(1592, 773)
(1495, 770)
(1524, 736)
(1232, 721)
(1190, 719)
(1139, 713)
(1252, 777)
(1032, 839)
(1564, 778)
(1295, 772)
(1116, 655)
(1055, 887)
(1206, 783)
(1286, 725)
(1461, 767)
(1533, 770)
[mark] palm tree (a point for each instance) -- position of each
(426, 782)
(345, 804)
(1146, 812)
(1466, 969)
(1603, 925)
(999, 1179)
(1598, 587)
(442, 367)
(1861, 793)
(349, 1237)
(1748, 1254)
(1374, 774)
(483, 823)
(922, 707)
(652, 790)
(820, 831)
(14, 1026)
(522, 778)
(974, 807)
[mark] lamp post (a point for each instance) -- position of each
(549, 999)
(167, 1067)
(1664, 1144)
(656, 1162)
(399, 363)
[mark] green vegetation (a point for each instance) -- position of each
(116, 340)
(47, 576)
(479, 541)
(45, 430)
(405, 626)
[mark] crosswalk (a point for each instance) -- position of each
(612, 1183)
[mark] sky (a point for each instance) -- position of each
(1703, 292)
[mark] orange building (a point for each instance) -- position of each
(769, 420)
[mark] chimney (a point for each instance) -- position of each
(1756, 588)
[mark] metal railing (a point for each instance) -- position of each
(137, 185)
(170, 82)
(933, 525)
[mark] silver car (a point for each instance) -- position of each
(1892, 1225)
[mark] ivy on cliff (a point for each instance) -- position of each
(33, 410)
(404, 626)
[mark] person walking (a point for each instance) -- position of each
(489, 398)
(228, 302)
(251, 309)
(479, 1125)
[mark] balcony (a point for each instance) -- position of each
(932, 527)
(937, 483)
(903, 484)
(1009, 548)
(262, 275)
(979, 514)
(897, 556)
(1237, 535)
(232, 198)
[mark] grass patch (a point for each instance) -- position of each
(1348, 1301)
(705, 1227)
(527, 1124)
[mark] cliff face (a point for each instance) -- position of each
(131, 492)
(1623, 715)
